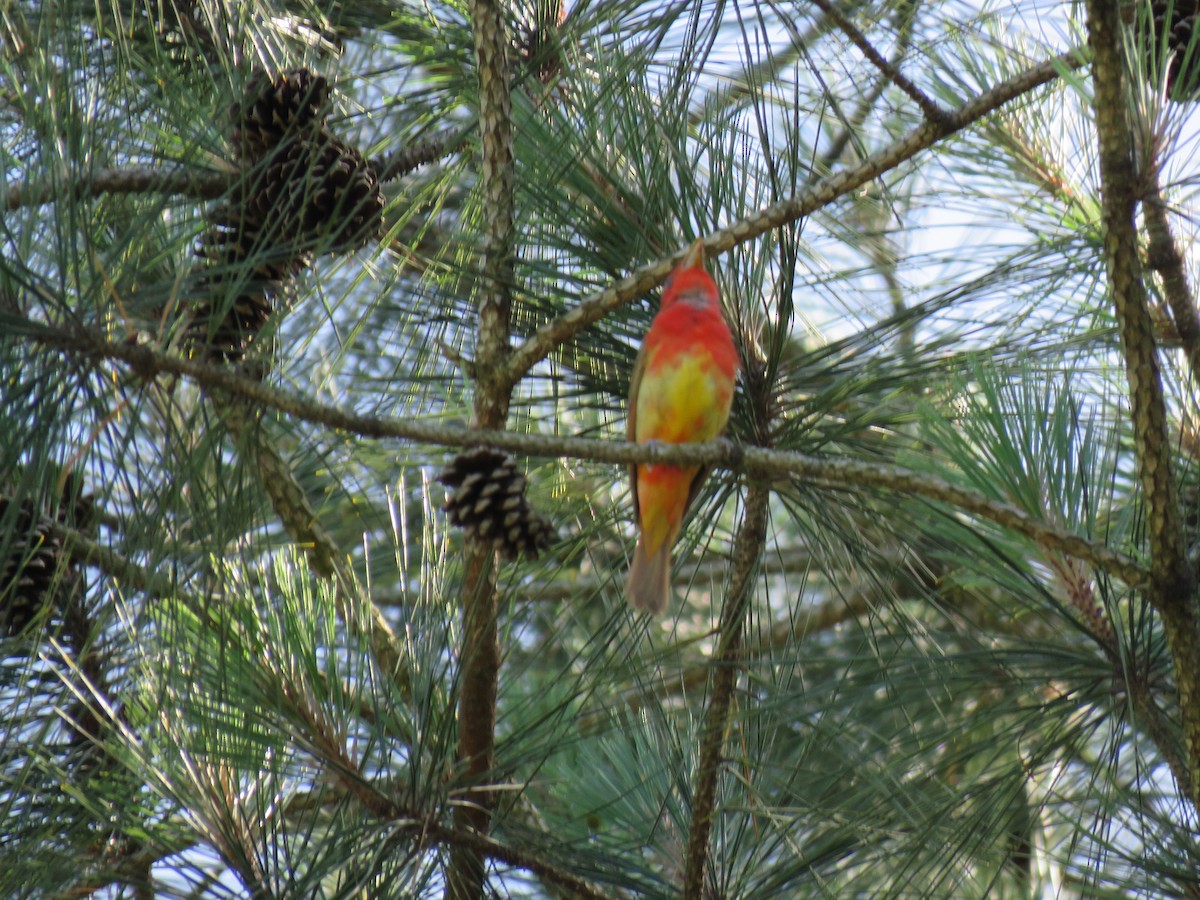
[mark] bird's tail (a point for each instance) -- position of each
(649, 584)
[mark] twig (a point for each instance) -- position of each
(88, 551)
(484, 846)
(833, 155)
(180, 837)
(1160, 729)
(728, 655)
(807, 621)
(746, 553)
(131, 869)
(1172, 589)
(747, 82)
(759, 462)
(933, 112)
(400, 162)
(553, 334)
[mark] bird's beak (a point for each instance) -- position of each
(695, 256)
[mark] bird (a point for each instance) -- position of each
(681, 392)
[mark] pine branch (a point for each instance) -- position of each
(1172, 588)
(480, 654)
(1077, 586)
(807, 621)
(485, 847)
(204, 185)
(1164, 257)
(555, 333)
(126, 180)
(90, 552)
(325, 741)
(756, 461)
(343, 769)
(725, 665)
(178, 836)
(1160, 729)
(132, 869)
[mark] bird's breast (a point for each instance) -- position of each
(686, 391)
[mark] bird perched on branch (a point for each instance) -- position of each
(681, 392)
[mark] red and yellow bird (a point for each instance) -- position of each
(681, 393)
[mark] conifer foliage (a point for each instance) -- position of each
(935, 625)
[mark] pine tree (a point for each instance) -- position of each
(269, 269)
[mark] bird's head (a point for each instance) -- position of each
(690, 281)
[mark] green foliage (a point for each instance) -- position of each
(927, 704)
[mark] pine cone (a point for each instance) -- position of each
(488, 503)
(319, 195)
(536, 41)
(256, 232)
(244, 280)
(343, 207)
(276, 107)
(1183, 81)
(242, 315)
(27, 569)
(30, 563)
(302, 191)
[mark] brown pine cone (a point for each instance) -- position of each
(488, 502)
(274, 107)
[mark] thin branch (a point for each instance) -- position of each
(131, 867)
(747, 83)
(1172, 589)
(129, 180)
(277, 480)
(90, 552)
(557, 587)
(1160, 729)
(932, 111)
(747, 551)
(758, 462)
(1147, 714)
(555, 333)
(806, 621)
(906, 18)
(1164, 257)
(484, 846)
(344, 769)
(728, 655)
(848, 473)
